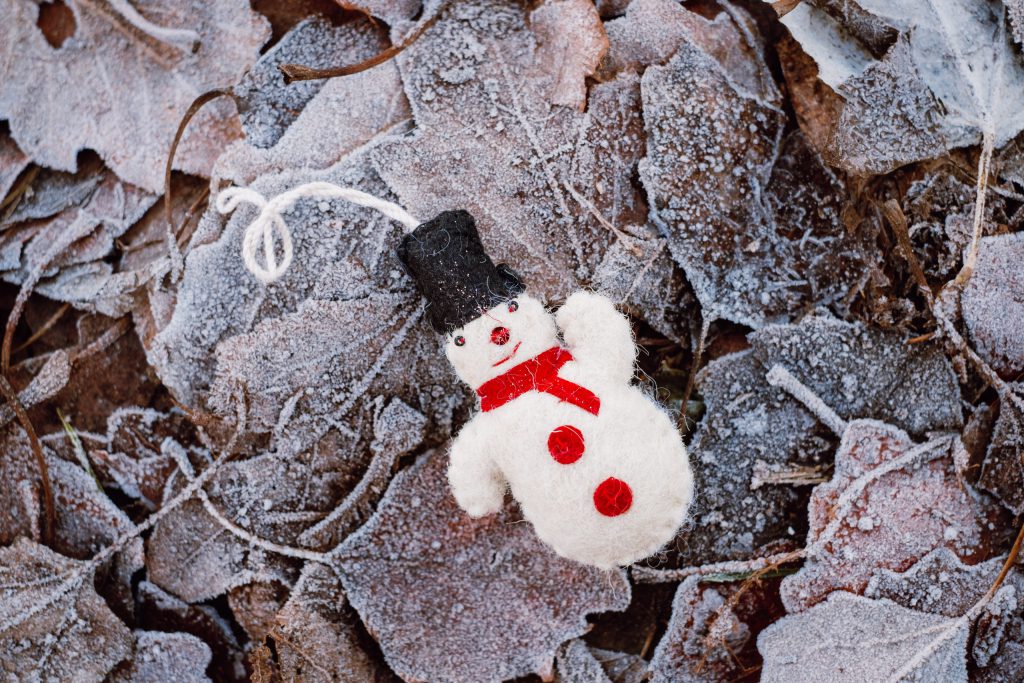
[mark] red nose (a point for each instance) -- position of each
(500, 336)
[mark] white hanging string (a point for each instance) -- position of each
(270, 220)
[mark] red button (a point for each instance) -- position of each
(612, 497)
(565, 444)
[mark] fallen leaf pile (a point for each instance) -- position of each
(811, 211)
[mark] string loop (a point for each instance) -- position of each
(270, 223)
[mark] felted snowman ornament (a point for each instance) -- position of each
(597, 467)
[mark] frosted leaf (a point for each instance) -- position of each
(486, 586)
(951, 73)
(879, 512)
(938, 583)
(315, 636)
(136, 453)
(753, 219)
(191, 555)
(161, 657)
(53, 191)
(998, 648)
(82, 235)
(941, 584)
(993, 304)
(572, 42)
(709, 639)
(891, 118)
(849, 639)
(130, 127)
(255, 607)
(309, 370)
(550, 187)
(313, 124)
(1003, 470)
(863, 372)
(746, 421)
(752, 427)
(53, 626)
(12, 163)
(577, 664)
(266, 105)
(160, 611)
(306, 499)
(317, 346)
(86, 520)
(653, 30)
(647, 282)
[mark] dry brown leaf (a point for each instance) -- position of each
(488, 586)
(713, 632)
(571, 43)
(255, 606)
(130, 127)
(316, 638)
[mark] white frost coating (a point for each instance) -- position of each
(838, 55)
(878, 640)
(270, 220)
(630, 438)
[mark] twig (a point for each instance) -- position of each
(894, 214)
(50, 521)
(50, 322)
(626, 240)
(643, 574)
(988, 142)
(299, 72)
(780, 377)
(691, 377)
(1011, 560)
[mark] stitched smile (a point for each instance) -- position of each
(509, 356)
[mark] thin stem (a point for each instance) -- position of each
(988, 142)
(299, 72)
(37, 450)
(174, 252)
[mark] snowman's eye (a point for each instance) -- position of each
(513, 306)
(460, 340)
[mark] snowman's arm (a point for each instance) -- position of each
(597, 335)
(477, 483)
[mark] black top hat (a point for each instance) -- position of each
(448, 262)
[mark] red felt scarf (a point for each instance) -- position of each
(537, 374)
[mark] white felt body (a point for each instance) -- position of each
(631, 439)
